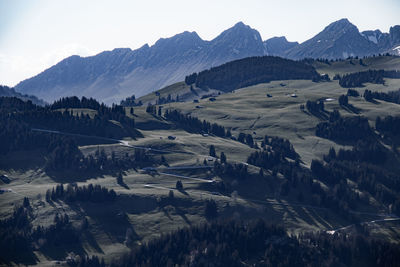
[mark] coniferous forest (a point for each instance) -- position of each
(250, 71)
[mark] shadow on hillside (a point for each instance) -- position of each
(373, 101)
(68, 176)
(61, 251)
(182, 191)
(181, 213)
(23, 161)
(124, 185)
(320, 115)
(113, 222)
(351, 109)
(153, 125)
(21, 258)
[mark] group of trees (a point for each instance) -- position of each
(352, 92)
(15, 135)
(267, 159)
(63, 154)
(75, 102)
(193, 124)
(169, 99)
(274, 157)
(392, 96)
(253, 70)
(365, 166)
(246, 139)
(17, 118)
(152, 109)
(14, 104)
(210, 209)
(130, 101)
(115, 112)
(18, 238)
(231, 243)
(99, 125)
(358, 79)
(344, 129)
(280, 145)
(73, 192)
(388, 125)
(15, 234)
(344, 101)
(231, 170)
(315, 107)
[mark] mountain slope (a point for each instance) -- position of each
(340, 39)
(278, 46)
(113, 75)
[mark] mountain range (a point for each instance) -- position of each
(113, 75)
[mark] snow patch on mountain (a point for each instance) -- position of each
(373, 39)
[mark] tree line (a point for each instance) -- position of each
(64, 154)
(195, 125)
(231, 243)
(392, 96)
(358, 79)
(17, 118)
(73, 192)
(344, 129)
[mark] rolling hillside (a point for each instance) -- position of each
(82, 178)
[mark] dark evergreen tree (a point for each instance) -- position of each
(179, 185)
(223, 157)
(212, 151)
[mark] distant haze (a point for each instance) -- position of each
(35, 35)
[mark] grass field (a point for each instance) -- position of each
(247, 110)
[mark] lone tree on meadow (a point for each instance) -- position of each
(212, 151)
(223, 157)
(179, 185)
(120, 180)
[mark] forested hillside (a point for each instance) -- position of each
(249, 71)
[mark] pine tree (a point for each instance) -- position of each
(119, 178)
(212, 151)
(223, 157)
(26, 202)
(179, 185)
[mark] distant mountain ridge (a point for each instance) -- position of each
(10, 92)
(342, 39)
(113, 75)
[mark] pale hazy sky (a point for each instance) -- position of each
(36, 34)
